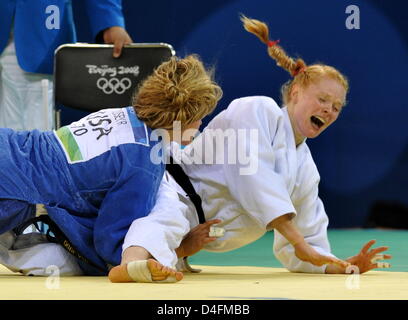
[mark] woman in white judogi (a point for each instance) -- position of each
(254, 172)
(284, 181)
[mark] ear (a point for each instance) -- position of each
(294, 94)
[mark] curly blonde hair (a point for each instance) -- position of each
(302, 74)
(178, 90)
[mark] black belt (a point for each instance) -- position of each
(57, 237)
(183, 180)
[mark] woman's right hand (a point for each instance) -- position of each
(196, 239)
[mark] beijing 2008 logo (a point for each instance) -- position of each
(109, 82)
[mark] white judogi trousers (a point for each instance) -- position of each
(31, 254)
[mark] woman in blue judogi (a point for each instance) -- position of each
(98, 174)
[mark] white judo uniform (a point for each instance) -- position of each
(247, 186)
(246, 192)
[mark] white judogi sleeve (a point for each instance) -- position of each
(162, 231)
(261, 185)
(311, 219)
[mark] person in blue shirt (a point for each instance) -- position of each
(97, 175)
(30, 33)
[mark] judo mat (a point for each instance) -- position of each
(249, 273)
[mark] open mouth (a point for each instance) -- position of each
(317, 121)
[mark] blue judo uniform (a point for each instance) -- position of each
(95, 177)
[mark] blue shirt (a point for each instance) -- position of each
(36, 41)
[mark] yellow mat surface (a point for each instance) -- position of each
(213, 283)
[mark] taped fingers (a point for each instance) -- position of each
(216, 232)
(377, 257)
(381, 264)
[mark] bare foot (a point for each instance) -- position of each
(157, 270)
(119, 274)
(160, 272)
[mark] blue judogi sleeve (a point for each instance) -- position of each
(104, 14)
(7, 8)
(125, 202)
(35, 42)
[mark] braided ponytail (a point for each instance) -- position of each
(261, 30)
(302, 74)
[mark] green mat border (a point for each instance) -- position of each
(344, 243)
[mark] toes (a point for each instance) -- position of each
(160, 272)
(179, 276)
(153, 264)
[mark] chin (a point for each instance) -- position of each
(313, 135)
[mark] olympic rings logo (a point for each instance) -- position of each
(114, 85)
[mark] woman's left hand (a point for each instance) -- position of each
(366, 259)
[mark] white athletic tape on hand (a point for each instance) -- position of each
(383, 265)
(380, 264)
(377, 257)
(216, 232)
